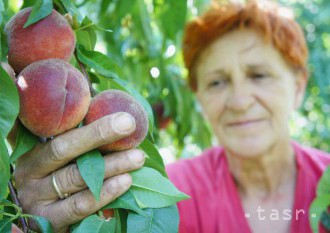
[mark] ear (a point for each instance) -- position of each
(301, 82)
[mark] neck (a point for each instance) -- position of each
(266, 175)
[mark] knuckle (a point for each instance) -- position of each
(80, 208)
(56, 153)
(74, 177)
(18, 177)
(114, 188)
(26, 200)
(100, 131)
(117, 163)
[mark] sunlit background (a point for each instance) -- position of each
(145, 43)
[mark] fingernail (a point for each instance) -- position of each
(125, 180)
(123, 122)
(136, 156)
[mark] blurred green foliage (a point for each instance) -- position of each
(311, 125)
(145, 42)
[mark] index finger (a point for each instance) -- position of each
(67, 146)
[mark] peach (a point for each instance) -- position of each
(51, 37)
(54, 97)
(108, 214)
(112, 101)
(9, 70)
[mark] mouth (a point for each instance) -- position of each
(243, 123)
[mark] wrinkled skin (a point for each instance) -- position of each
(33, 172)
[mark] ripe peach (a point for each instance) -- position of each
(9, 70)
(112, 101)
(54, 97)
(108, 213)
(51, 37)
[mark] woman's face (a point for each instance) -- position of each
(247, 92)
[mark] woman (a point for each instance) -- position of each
(247, 65)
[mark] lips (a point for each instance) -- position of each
(244, 122)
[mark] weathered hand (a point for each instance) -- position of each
(33, 172)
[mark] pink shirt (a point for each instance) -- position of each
(207, 180)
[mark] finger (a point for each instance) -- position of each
(63, 148)
(69, 180)
(83, 204)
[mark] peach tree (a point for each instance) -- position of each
(149, 204)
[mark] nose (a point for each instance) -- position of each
(240, 96)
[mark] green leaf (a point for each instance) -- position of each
(101, 63)
(96, 225)
(125, 201)
(5, 202)
(157, 220)
(86, 35)
(175, 12)
(4, 44)
(153, 158)
(25, 141)
(28, 3)
(104, 5)
(143, 24)
(319, 205)
(72, 9)
(92, 168)
(121, 220)
(4, 167)
(5, 225)
(88, 24)
(9, 103)
(122, 8)
(325, 219)
(2, 9)
(43, 224)
(41, 9)
(151, 189)
(323, 187)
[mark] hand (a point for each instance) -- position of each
(33, 172)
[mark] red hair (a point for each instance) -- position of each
(283, 32)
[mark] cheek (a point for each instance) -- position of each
(279, 103)
(212, 108)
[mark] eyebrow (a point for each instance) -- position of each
(222, 72)
(262, 66)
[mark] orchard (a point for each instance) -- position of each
(67, 63)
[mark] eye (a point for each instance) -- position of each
(258, 75)
(217, 83)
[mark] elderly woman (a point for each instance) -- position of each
(247, 65)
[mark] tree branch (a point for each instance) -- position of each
(16, 201)
(83, 69)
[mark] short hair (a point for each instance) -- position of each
(267, 18)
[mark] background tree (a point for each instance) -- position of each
(144, 46)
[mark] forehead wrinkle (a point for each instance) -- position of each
(249, 47)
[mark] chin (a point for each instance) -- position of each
(251, 147)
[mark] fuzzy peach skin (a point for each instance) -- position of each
(112, 101)
(54, 97)
(51, 37)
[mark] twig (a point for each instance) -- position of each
(16, 201)
(83, 69)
